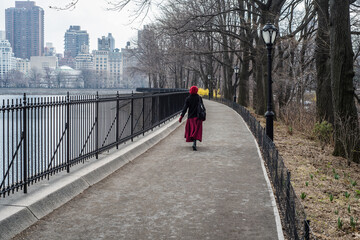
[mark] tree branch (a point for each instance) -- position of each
(261, 5)
(68, 6)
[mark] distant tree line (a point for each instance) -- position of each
(318, 50)
(55, 78)
(200, 42)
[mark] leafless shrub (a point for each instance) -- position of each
(349, 139)
(301, 118)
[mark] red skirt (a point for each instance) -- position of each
(193, 129)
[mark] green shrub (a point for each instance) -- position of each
(323, 131)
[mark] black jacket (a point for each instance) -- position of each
(191, 103)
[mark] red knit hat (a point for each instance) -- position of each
(193, 90)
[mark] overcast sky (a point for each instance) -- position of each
(90, 15)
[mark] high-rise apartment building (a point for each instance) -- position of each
(49, 49)
(7, 59)
(84, 59)
(106, 43)
(108, 62)
(2, 35)
(74, 39)
(23, 65)
(100, 61)
(115, 67)
(24, 26)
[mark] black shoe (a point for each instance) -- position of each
(194, 148)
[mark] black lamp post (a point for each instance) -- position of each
(269, 33)
(209, 78)
(236, 70)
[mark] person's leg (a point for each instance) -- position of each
(194, 146)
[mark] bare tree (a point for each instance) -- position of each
(150, 54)
(60, 77)
(48, 75)
(6, 78)
(322, 55)
(342, 72)
(18, 79)
(14, 78)
(35, 77)
(89, 78)
(347, 138)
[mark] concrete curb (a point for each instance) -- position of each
(19, 211)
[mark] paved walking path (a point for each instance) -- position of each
(172, 192)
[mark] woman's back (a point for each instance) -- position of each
(191, 102)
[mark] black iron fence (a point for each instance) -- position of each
(42, 136)
(294, 221)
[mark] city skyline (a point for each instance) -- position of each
(91, 15)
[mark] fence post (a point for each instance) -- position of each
(97, 125)
(276, 172)
(159, 99)
(143, 114)
(307, 229)
(24, 143)
(153, 111)
(287, 195)
(132, 116)
(117, 120)
(68, 132)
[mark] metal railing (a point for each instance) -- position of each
(294, 221)
(45, 135)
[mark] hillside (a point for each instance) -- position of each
(330, 188)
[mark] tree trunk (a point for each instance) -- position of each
(245, 64)
(244, 80)
(324, 107)
(260, 88)
(342, 74)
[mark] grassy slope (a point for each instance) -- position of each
(313, 165)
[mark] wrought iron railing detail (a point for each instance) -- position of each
(294, 221)
(40, 137)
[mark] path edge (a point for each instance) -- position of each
(268, 183)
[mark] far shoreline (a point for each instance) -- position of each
(63, 91)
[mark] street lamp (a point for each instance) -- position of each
(269, 33)
(236, 70)
(209, 78)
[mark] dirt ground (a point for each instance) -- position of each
(328, 189)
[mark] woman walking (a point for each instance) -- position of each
(193, 127)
